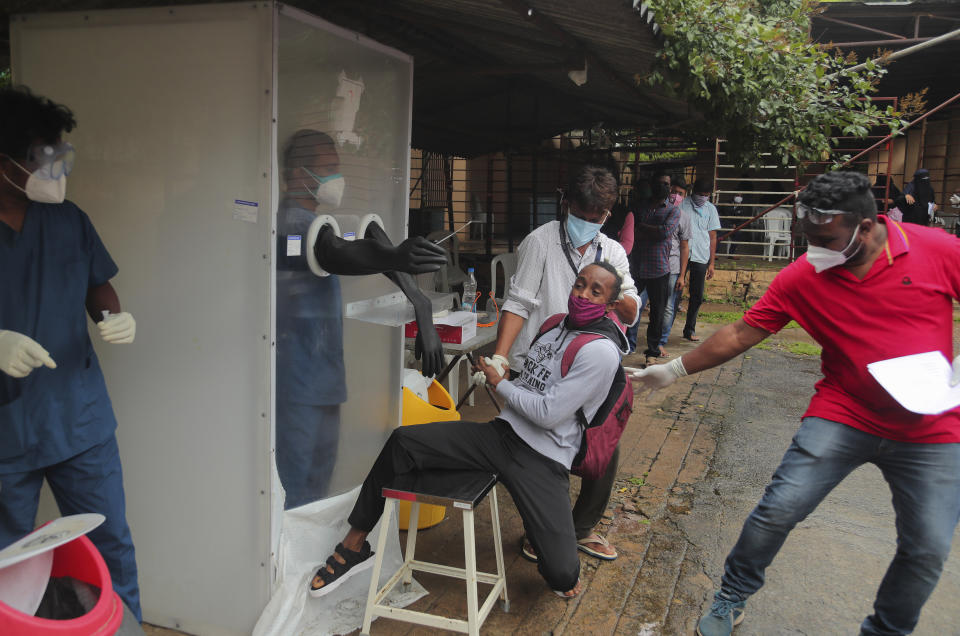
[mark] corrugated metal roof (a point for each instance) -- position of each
(934, 68)
(492, 74)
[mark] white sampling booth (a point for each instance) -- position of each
(183, 117)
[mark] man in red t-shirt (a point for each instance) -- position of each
(868, 289)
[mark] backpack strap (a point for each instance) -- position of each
(550, 323)
(571, 351)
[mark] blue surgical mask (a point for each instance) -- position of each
(581, 232)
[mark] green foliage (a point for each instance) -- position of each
(719, 317)
(637, 481)
(4, 77)
(804, 348)
(749, 67)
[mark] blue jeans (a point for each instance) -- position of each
(670, 310)
(924, 480)
(669, 313)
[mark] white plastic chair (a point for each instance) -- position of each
(776, 230)
(451, 275)
(508, 262)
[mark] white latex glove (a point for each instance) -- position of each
(20, 354)
(498, 362)
(118, 328)
(658, 376)
(955, 377)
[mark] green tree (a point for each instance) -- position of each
(750, 69)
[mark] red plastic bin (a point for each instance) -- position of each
(81, 560)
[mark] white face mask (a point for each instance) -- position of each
(42, 190)
(738, 199)
(822, 258)
(329, 190)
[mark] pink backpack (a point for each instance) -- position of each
(602, 434)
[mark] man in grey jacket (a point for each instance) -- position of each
(530, 446)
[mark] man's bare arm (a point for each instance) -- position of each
(507, 332)
(726, 344)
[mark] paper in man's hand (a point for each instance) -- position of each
(919, 382)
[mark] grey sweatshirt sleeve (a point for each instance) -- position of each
(591, 373)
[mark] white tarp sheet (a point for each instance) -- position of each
(309, 535)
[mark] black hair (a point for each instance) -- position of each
(302, 145)
(25, 117)
(617, 279)
(661, 173)
(592, 188)
(703, 184)
(842, 190)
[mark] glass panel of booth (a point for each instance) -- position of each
(343, 122)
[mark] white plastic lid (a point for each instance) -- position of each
(25, 564)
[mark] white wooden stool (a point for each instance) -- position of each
(463, 490)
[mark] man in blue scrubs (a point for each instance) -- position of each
(56, 420)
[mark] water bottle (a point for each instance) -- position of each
(468, 302)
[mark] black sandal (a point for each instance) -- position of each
(355, 561)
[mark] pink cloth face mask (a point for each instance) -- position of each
(581, 311)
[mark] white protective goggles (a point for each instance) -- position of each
(50, 161)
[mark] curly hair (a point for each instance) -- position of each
(617, 279)
(592, 188)
(841, 190)
(25, 117)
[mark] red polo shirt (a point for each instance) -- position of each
(904, 305)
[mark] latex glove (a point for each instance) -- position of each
(955, 377)
(429, 350)
(499, 363)
(118, 328)
(417, 255)
(658, 376)
(20, 354)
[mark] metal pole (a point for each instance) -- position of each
(907, 51)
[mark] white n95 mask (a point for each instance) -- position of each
(329, 190)
(40, 188)
(822, 258)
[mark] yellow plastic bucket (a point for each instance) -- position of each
(415, 411)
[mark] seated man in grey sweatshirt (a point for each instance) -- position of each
(530, 446)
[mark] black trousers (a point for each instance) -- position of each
(539, 485)
(594, 494)
(698, 274)
(658, 289)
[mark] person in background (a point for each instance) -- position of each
(735, 214)
(918, 196)
(56, 419)
(888, 197)
(704, 223)
(548, 262)
(867, 289)
(678, 191)
(656, 220)
(679, 260)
